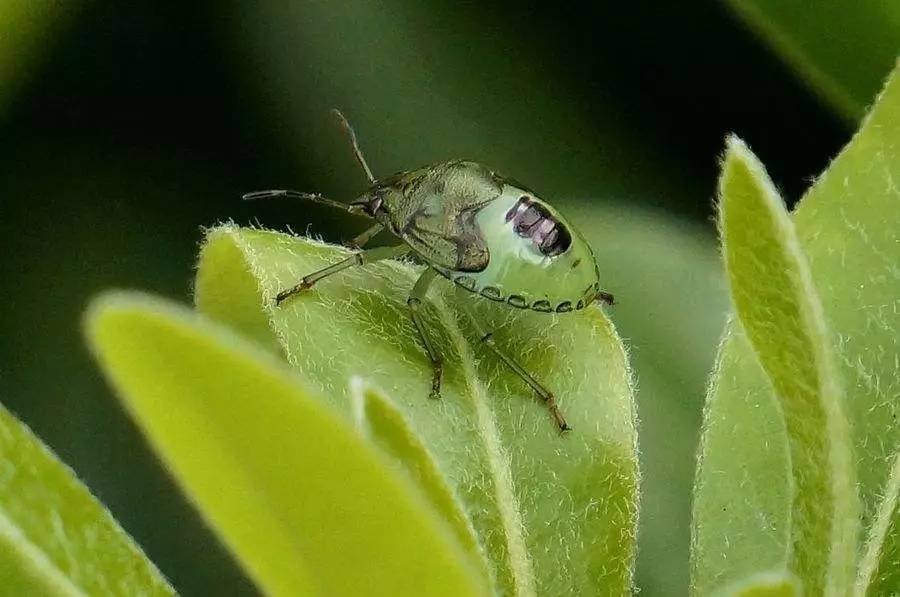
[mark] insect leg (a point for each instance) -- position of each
(487, 338)
(415, 303)
(360, 258)
(314, 197)
(357, 242)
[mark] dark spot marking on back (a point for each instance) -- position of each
(492, 293)
(580, 304)
(531, 220)
(517, 301)
(576, 263)
(542, 305)
(564, 307)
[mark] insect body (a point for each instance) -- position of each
(487, 234)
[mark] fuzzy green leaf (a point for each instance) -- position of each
(55, 537)
(764, 584)
(555, 514)
(842, 48)
(846, 226)
(879, 568)
(670, 291)
(381, 421)
(781, 315)
(302, 502)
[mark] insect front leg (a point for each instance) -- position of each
(487, 338)
(415, 304)
(360, 258)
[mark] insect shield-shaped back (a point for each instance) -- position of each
(490, 236)
(537, 259)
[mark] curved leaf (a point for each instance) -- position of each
(383, 423)
(879, 572)
(304, 504)
(781, 314)
(554, 514)
(55, 537)
(670, 291)
(846, 227)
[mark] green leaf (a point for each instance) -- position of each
(55, 537)
(879, 573)
(765, 584)
(846, 226)
(555, 514)
(781, 315)
(381, 421)
(302, 502)
(842, 48)
(670, 291)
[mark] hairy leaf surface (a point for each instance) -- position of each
(55, 537)
(554, 514)
(305, 505)
(846, 227)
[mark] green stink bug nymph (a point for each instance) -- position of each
(487, 234)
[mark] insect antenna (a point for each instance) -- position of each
(314, 197)
(345, 124)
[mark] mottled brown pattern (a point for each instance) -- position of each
(433, 209)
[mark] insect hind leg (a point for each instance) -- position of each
(415, 304)
(487, 338)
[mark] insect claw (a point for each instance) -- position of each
(436, 380)
(285, 294)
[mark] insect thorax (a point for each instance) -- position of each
(488, 235)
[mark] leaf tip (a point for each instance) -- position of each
(739, 159)
(99, 311)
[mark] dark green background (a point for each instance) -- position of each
(138, 123)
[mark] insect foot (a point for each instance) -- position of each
(436, 379)
(550, 399)
(284, 294)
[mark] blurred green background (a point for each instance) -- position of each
(126, 127)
